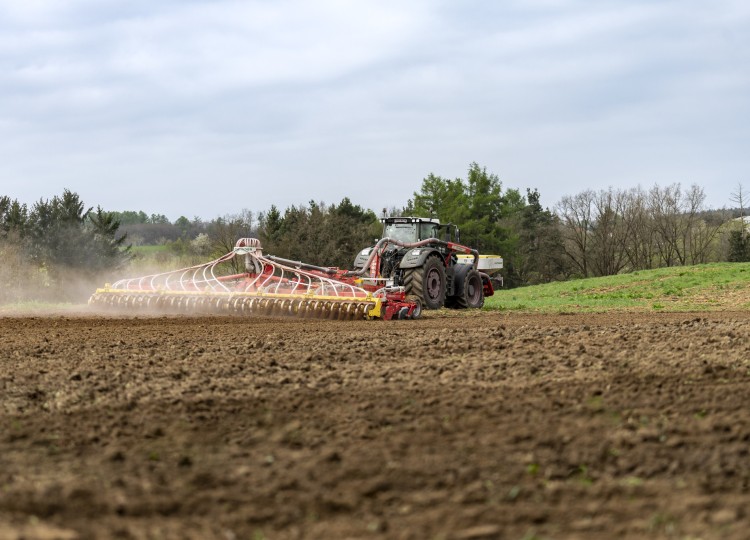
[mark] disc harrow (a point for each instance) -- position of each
(269, 286)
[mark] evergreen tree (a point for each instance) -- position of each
(538, 254)
(270, 229)
(439, 197)
(350, 229)
(69, 241)
(14, 218)
(476, 206)
(739, 246)
(108, 249)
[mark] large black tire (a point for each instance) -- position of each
(427, 282)
(468, 288)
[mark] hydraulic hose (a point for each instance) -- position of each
(299, 264)
(411, 245)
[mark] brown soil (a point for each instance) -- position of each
(490, 426)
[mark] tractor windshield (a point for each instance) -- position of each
(405, 232)
(411, 232)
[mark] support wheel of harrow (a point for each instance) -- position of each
(427, 282)
(417, 312)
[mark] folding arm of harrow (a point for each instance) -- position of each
(269, 286)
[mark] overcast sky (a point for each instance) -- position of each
(208, 107)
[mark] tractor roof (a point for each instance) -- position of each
(410, 219)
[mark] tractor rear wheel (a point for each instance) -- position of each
(469, 290)
(427, 282)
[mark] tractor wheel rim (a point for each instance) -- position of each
(433, 283)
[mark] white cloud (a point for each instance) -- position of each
(327, 99)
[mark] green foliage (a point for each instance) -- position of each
(58, 241)
(475, 206)
(739, 246)
(494, 221)
(158, 218)
(182, 222)
(439, 197)
(63, 235)
(14, 218)
(536, 254)
(270, 229)
(106, 248)
(317, 233)
(129, 217)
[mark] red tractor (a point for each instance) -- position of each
(424, 256)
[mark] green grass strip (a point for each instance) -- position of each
(705, 287)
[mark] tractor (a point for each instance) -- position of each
(408, 269)
(424, 257)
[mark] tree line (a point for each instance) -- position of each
(593, 233)
(50, 248)
(316, 233)
(611, 231)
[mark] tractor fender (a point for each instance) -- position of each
(416, 257)
(361, 259)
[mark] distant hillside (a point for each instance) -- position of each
(706, 287)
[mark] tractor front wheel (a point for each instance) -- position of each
(427, 282)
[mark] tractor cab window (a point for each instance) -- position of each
(427, 230)
(404, 232)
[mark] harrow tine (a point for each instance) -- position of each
(186, 303)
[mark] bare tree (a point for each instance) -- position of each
(699, 235)
(703, 246)
(224, 232)
(610, 233)
(683, 237)
(740, 198)
(576, 219)
(640, 247)
(664, 207)
(738, 245)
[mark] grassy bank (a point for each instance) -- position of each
(708, 287)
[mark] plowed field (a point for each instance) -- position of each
(481, 426)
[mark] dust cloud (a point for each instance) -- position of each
(28, 288)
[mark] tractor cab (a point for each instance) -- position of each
(416, 229)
